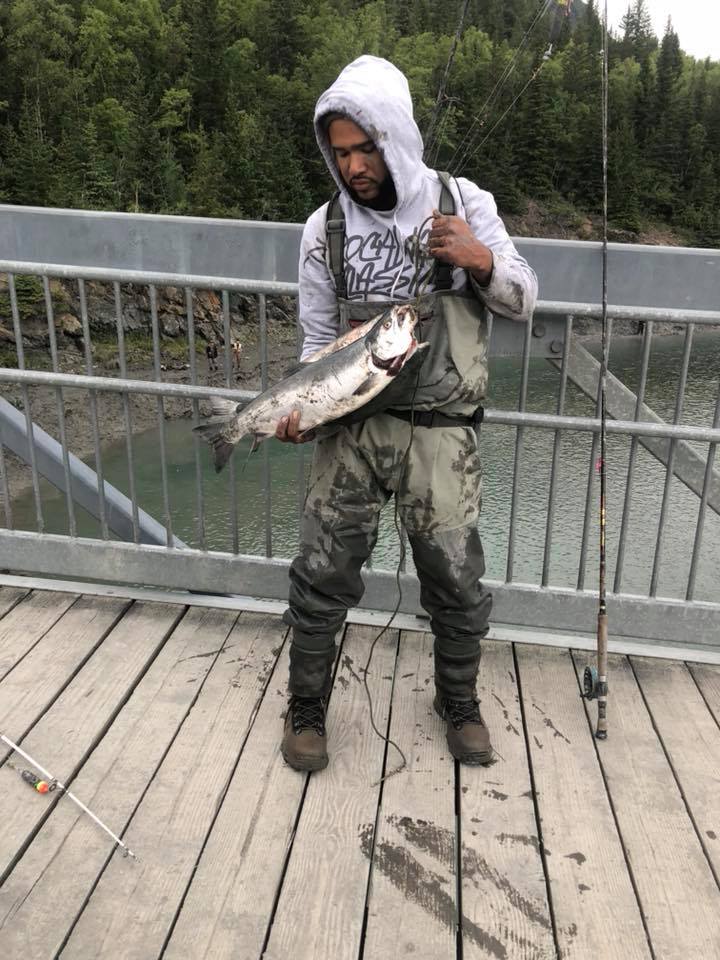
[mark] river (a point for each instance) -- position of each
(498, 448)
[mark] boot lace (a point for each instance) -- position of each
(308, 713)
(462, 711)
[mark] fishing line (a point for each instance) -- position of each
(460, 157)
(396, 515)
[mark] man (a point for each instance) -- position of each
(396, 233)
(211, 352)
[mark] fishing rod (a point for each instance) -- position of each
(595, 686)
(51, 783)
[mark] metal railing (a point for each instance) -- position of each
(539, 603)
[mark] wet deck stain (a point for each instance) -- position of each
(435, 893)
(495, 794)
(343, 681)
(524, 839)
(536, 707)
(556, 733)
(582, 887)
(537, 742)
(498, 700)
(711, 834)
(347, 662)
(579, 858)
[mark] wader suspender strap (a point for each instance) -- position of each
(444, 271)
(335, 228)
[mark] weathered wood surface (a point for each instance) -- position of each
(26, 622)
(322, 900)
(10, 597)
(133, 907)
(28, 689)
(412, 908)
(691, 737)
(707, 679)
(168, 722)
(68, 732)
(504, 894)
(227, 911)
(590, 888)
(680, 899)
(44, 894)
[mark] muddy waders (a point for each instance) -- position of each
(354, 473)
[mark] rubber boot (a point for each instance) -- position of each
(456, 670)
(304, 743)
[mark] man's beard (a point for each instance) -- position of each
(385, 200)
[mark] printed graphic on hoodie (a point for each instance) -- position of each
(377, 263)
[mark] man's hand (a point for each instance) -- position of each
(452, 241)
(288, 431)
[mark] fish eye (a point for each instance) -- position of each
(387, 325)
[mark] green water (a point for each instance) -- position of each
(498, 451)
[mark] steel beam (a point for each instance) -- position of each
(85, 490)
(689, 467)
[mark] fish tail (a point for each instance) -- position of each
(222, 438)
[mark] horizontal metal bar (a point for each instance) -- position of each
(510, 418)
(280, 288)
(620, 312)
(144, 278)
(224, 573)
(41, 378)
(547, 421)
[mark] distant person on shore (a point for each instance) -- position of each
(211, 352)
(236, 351)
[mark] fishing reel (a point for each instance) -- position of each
(591, 684)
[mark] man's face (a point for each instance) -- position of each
(358, 159)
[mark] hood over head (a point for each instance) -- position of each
(374, 94)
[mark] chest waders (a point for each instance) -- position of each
(357, 468)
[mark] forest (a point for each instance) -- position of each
(204, 107)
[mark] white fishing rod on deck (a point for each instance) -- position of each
(52, 783)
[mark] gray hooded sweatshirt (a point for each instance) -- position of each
(381, 246)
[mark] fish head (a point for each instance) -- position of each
(392, 340)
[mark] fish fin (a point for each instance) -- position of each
(215, 431)
(257, 440)
(365, 386)
(220, 407)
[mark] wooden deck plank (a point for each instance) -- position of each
(328, 858)
(226, 911)
(42, 897)
(68, 731)
(691, 737)
(26, 622)
(579, 833)
(504, 891)
(131, 911)
(708, 680)
(680, 899)
(10, 597)
(412, 907)
(27, 691)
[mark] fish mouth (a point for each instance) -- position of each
(393, 365)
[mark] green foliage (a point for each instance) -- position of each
(205, 106)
